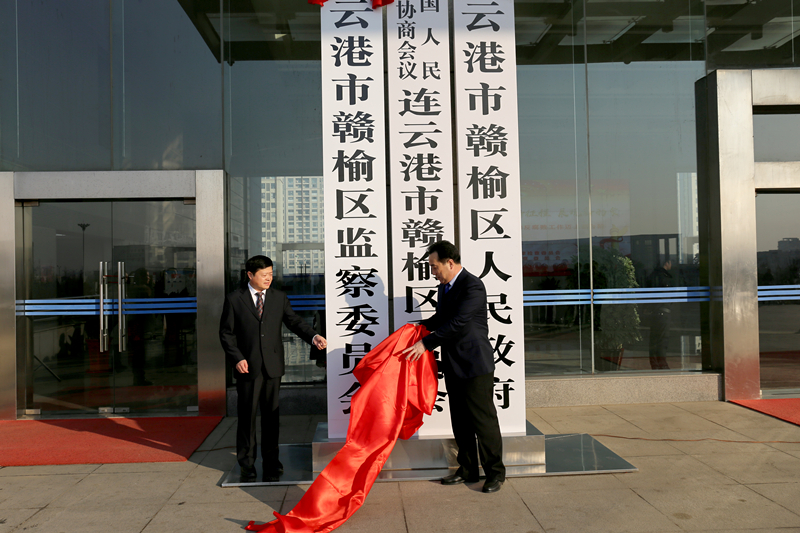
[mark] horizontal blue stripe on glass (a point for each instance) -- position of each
(307, 302)
(640, 295)
(89, 307)
(777, 293)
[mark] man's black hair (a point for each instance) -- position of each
(445, 250)
(257, 262)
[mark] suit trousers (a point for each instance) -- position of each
(261, 392)
(473, 414)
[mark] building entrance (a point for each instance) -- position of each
(106, 307)
(778, 244)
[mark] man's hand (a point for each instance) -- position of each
(319, 342)
(414, 352)
(242, 368)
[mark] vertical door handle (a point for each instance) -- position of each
(103, 294)
(121, 324)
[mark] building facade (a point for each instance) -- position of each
(117, 117)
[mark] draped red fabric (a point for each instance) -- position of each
(390, 403)
(375, 3)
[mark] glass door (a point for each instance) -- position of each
(107, 315)
(778, 241)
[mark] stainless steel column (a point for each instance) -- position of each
(211, 232)
(732, 232)
(8, 340)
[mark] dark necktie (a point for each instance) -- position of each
(260, 304)
(446, 287)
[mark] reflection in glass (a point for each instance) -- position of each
(272, 67)
(281, 217)
(744, 34)
(554, 218)
(778, 245)
(56, 86)
(179, 124)
(775, 137)
(600, 228)
(66, 370)
(644, 215)
(107, 85)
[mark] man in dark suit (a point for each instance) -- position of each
(460, 328)
(250, 333)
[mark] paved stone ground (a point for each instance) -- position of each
(681, 485)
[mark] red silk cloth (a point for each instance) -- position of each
(375, 3)
(390, 403)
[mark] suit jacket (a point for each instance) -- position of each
(460, 327)
(245, 337)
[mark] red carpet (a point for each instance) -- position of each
(787, 409)
(102, 441)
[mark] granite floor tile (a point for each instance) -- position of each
(769, 467)
(738, 417)
(721, 440)
(719, 507)
(123, 468)
(663, 417)
(433, 507)
(609, 424)
(221, 460)
(631, 447)
(119, 519)
(211, 517)
(33, 492)
(565, 483)
(204, 487)
(788, 434)
(97, 491)
(214, 437)
(784, 494)
(561, 412)
(47, 470)
(539, 423)
(11, 518)
(598, 511)
(674, 471)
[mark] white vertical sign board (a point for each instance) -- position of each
(421, 161)
(354, 170)
(487, 140)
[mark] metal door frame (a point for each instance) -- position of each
(208, 189)
(729, 178)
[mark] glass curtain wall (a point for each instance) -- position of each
(273, 147)
(99, 85)
(627, 293)
(778, 245)
(743, 34)
(551, 84)
(644, 59)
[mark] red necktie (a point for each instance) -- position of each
(260, 304)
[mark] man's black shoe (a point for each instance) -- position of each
(492, 485)
(455, 479)
(278, 467)
(248, 474)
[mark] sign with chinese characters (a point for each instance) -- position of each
(487, 151)
(354, 166)
(421, 161)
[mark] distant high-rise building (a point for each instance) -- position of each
(688, 224)
(291, 223)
